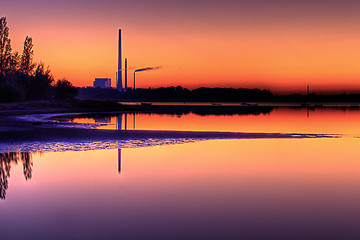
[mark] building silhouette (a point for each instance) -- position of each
(102, 83)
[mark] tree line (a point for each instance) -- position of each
(178, 94)
(22, 79)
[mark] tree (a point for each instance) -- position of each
(15, 62)
(40, 84)
(27, 65)
(65, 90)
(5, 47)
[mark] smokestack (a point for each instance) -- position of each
(119, 82)
(126, 74)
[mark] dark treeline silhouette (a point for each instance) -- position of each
(180, 94)
(8, 159)
(320, 98)
(22, 79)
(198, 95)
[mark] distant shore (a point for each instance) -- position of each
(37, 107)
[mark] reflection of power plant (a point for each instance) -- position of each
(119, 160)
(119, 121)
(103, 120)
(119, 125)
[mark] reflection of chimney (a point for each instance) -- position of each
(119, 160)
(119, 121)
(134, 122)
(125, 74)
(119, 83)
(125, 127)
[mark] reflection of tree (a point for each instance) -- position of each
(27, 164)
(5, 167)
(6, 160)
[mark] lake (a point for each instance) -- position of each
(304, 188)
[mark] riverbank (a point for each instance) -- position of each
(14, 129)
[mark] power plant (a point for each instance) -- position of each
(119, 75)
(119, 85)
(102, 83)
(106, 82)
(126, 87)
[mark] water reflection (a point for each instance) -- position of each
(218, 189)
(119, 121)
(102, 120)
(308, 119)
(119, 160)
(6, 161)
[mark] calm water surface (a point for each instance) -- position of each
(214, 189)
(280, 120)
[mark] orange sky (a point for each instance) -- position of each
(264, 44)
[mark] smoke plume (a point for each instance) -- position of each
(147, 69)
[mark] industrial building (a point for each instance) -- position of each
(119, 84)
(102, 83)
(106, 82)
(119, 73)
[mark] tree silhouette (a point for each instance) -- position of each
(65, 90)
(15, 62)
(5, 48)
(40, 84)
(21, 78)
(27, 64)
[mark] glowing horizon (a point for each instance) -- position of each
(262, 44)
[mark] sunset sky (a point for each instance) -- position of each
(281, 45)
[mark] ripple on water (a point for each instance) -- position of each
(90, 145)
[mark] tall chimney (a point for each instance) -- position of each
(126, 74)
(119, 82)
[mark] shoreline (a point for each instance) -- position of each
(77, 134)
(15, 130)
(19, 132)
(52, 106)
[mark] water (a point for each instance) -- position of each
(190, 189)
(276, 120)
